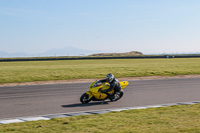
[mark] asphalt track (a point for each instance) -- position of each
(22, 101)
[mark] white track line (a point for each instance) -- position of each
(48, 117)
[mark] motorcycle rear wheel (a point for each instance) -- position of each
(85, 98)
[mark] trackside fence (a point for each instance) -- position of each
(91, 58)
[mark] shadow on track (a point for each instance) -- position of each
(85, 105)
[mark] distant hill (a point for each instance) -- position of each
(2, 53)
(68, 51)
(132, 53)
(18, 54)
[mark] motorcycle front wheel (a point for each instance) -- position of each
(85, 98)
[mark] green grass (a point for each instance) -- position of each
(174, 119)
(80, 69)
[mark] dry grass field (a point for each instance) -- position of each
(28, 71)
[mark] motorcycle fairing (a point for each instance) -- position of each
(124, 84)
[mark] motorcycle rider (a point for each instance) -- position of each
(114, 85)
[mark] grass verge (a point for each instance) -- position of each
(11, 72)
(179, 118)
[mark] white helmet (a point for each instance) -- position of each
(110, 77)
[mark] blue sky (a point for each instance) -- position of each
(149, 26)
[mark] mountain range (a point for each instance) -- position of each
(66, 51)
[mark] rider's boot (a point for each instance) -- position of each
(115, 96)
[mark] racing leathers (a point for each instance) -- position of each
(114, 85)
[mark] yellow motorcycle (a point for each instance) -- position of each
(95, 94)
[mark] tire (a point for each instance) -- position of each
(85, 98)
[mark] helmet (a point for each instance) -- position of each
(110, 77)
